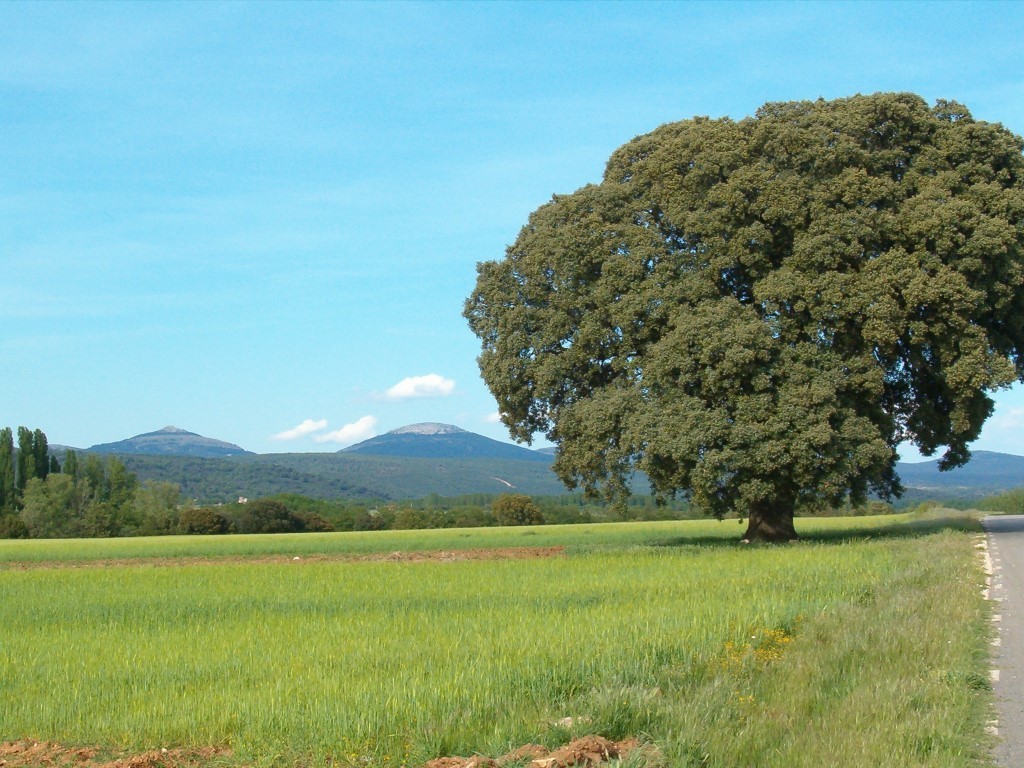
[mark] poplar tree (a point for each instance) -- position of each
(40, 454)
(71, 464)
(7, 484)
(26, 459)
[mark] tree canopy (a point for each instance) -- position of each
(756, 313)
(516, 509)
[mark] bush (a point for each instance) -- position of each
(314, 523)
(412, 519)
(11, 527)
(516, 509)
(269, 516)
(203, 521)
(472, 517)
(1011, 502)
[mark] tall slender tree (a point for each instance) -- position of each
(71, 464)
(26, 459)
(40, 454)
(7, 487)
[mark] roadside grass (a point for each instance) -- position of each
(863, 645)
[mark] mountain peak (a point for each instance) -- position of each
(442, 441)
(427, 428)
(171, 441)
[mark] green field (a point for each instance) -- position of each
(863, 645)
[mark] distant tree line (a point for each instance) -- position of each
(433, 511)
(88, 497)
(94, 496)
(97, 496)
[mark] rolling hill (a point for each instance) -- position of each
(985, 474)
(171, 441)
(435, 441)
(424, 459)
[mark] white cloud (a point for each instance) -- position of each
(1011, 418)
(363, 429)
(431, 385)
(305, 428)
(493, 418)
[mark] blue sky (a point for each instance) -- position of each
(259, 221)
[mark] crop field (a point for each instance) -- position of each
(865, 644)
(575, 537)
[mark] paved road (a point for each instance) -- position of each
(1006, 547)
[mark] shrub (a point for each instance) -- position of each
(202, 520)
(11, 527)
(412, 519)
(313, 522)
(269, 516)
(516, 509)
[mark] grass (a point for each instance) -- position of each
(576, 537)
(863, 645)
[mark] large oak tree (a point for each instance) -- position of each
(758, 312)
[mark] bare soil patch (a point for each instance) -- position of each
(42, 754)
(581, 753)
(586, 752)
(427, 556)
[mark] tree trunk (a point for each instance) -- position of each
(771, 523)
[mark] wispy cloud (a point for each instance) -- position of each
(493, 418)
(308, 427)
(361, 429)
(1011, 418)
(431, 385)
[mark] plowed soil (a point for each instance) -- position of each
(582, 753)
(434, 556)
(41, 754)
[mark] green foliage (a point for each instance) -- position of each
(102, 519)
(11, 526)
(516, 509)
(269, 516)
(373, 520)
(156, 507)
(314, 523)
(413, 519)
(120, 483)
(341, 476)
(101, 500)
(1011, 502)
(55, 507)
(26, 462)
(71, 464)
(40, 454)
(95, 475)
(8, 488)
(758, 312)
(203, 521)
(224, 480)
